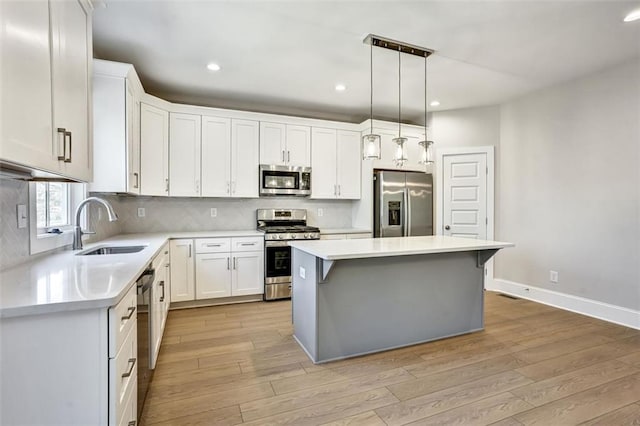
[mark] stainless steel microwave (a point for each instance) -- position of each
(285, 180)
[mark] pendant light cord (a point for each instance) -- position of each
(425, 100)
(399, 91)
(371, 87)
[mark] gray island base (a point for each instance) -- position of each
(385, 294)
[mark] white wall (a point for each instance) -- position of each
(467, 127)
(569, 188)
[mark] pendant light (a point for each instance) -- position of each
(371, 142)
(426, 152)
(400, 156)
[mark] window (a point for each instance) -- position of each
(51, 210)
(52, 206)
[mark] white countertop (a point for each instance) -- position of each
(64, 281)
(399, 246)
(328, 231)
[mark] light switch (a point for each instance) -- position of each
(214, 212)
(22, 216)
(141, 212)
(320, 212)
(303, 273)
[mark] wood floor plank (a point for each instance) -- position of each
(558, 387)
(226, 416)
(626, 416)
(483, 412)
(368, 418)
(453, 377)
(293, 400)
(437, 402)
(333, 410)
(632, 359)
(555, 349)
(585, 405)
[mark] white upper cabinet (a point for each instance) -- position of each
(285, 144)
(216, 157)
(335, 164)
(245, 155)
(154, 150)
(116, 128)
(184, 155)
(45, 80)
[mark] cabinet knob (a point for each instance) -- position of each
(447, 227)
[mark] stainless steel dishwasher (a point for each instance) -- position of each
(145, 374)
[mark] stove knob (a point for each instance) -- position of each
(279, 236)
(307, 236)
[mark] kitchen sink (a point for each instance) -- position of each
(112, 250)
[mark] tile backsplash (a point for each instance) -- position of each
(161, 215)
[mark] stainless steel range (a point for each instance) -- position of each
(280, 226)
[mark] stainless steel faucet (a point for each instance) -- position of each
(77, 231)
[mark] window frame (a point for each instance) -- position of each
(42, 241)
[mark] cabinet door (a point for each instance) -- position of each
(156, 312)
(182, 270)
(245, 152)
(133, 141)
(213, 275)
(25, 78)
(184, 155)
(272, 143)
(154, 150)
(323, 163)
(349, 163)
(216, 157)
(248, 273)
(298, 146)
(71, 50)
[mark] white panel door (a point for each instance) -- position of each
(348, 164)
(248, 273)
(213, 275)
(245, 155)
(154, 150)
(216, 157)
(25, 78)
(272, 143)
(184, 155)
(71, 53)
(465, 195)
(182, 270)
(323, 163)
(132, 106)
(298, 146)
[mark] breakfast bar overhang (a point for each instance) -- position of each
(354, 297)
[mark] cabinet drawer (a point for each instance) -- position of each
(247, 244)
(122, 317)
(213, 245)
(161, 259)
(130, 407)
(123, 373)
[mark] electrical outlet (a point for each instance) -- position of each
(141, 212)
(214, 212)
(553, 276)
(320, 212)
(22, 216)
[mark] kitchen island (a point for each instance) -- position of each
(353, 297)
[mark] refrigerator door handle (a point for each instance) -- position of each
(405, 204)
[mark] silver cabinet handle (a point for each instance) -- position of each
(189, 249)
(166, 181)
(288, 156)
(339, 189)
(62, 131)
(68, 160)
(213, 245)
(335, 189)
(233, 187)
(228, 187)
(132, 364)
(162, 296)
(283, 156)
(197, 189)
(137, 184)
(235, 263)
(228, 264)
(131, 423)
(247, 244)
(131, 310)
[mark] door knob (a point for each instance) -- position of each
(447, 227)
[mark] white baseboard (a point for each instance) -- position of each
(604, 311)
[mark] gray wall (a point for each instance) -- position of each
(570, 187)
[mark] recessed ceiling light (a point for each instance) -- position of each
(340, 87)
(633, 16)
(434, 103)
(213, 67)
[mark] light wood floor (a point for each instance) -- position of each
(532, 364)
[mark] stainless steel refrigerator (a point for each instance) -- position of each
(402, 204)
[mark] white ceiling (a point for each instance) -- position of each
(286, 56)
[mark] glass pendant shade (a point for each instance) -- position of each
(426, 154)
(400, 156)
(370, 147)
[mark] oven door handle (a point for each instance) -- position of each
(275, 244)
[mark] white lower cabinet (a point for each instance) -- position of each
(160, 298)
(182, 270)
(229, 267)
(346, 236)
